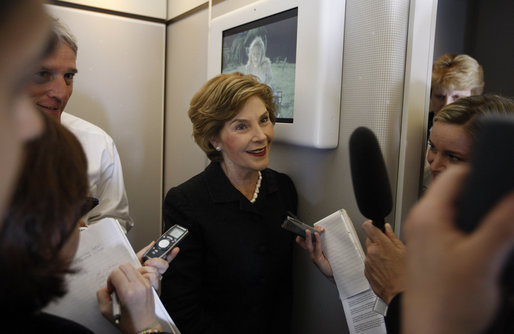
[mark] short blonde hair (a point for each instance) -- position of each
(219, 100)
(465, 110)
(458, 72)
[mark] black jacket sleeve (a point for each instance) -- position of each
(393, 318)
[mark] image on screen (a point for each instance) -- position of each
(266, 48)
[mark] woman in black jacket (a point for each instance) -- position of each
(234, 272)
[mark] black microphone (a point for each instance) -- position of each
(490, 178)
(492, 165)
(369, 177)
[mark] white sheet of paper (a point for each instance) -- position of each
(343, 250)
(103, 246)
(360, 316)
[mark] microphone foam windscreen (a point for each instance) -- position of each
(489, 180)
(369, 175)
(492, 165)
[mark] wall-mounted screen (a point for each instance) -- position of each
(296, 47)
(266, 48)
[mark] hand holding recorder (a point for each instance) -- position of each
(308, 238)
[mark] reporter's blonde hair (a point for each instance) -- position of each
(465, 110)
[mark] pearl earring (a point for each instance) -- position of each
(218, 148)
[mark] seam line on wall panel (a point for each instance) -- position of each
(192, 11)
(188, 13)
(164, 105)
(107, 11)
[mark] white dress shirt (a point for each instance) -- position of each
(104, 171)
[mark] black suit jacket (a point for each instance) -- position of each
(40, 323)
(393, 318)
(233, 272)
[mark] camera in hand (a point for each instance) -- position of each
(166, 242)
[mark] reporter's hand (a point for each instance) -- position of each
(315, 252)
(154, 268)
(136, 298)
(452, 282)
(385, 262)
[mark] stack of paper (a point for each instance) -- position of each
(343, 250)
(103, 247)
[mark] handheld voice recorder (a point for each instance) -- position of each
(166, 242)
(296, 226)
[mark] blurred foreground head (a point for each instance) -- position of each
(24, 39)
(39, 236)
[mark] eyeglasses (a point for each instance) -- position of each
(88, 205)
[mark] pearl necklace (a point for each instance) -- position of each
(256, 192)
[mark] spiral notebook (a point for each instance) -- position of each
(103, 246)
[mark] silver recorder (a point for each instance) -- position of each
(166, 242)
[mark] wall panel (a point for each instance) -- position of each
(150, 8)
(179, 7)
(120, 87)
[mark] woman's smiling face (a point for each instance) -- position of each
(245, 140)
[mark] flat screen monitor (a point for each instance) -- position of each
(296, 47)
(266, 48)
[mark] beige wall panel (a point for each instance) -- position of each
(120, 87)
(179, 7)
(186, 69)
(226, 6)
(151, 8)
(418, 75)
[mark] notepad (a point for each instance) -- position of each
(361, 317)
(102, 247)
(343, 250)
(341, 246)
